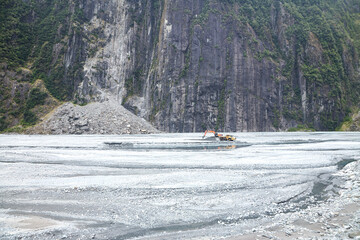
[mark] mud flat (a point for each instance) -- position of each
(31, 223)
(177, 186)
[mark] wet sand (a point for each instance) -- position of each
(80, 188)
(32, 223)
(337, 218)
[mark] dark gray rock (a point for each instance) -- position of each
(187, 66)
(355, 235)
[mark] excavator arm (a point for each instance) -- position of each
(215, 133)
(209, 131)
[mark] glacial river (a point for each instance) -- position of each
(165, 186)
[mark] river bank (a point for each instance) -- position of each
(336, 218)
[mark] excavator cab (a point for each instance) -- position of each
(230, 138)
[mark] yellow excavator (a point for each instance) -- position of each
(220, 136)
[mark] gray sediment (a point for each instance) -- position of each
(107, 117)
(336, 218)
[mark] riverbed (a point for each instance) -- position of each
(176, 186)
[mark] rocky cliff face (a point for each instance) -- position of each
(183, 65)
(227, 65)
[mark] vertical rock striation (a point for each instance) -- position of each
(188, 65)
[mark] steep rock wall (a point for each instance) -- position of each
(190, 65)
(182, 66)
(212, 70)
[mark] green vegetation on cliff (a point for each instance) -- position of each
(320, 52)
(313, 44)
(35, 35)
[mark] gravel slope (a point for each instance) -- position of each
(107, 117)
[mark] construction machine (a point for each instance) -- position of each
(220, 136)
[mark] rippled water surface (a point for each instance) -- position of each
(166, 186)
